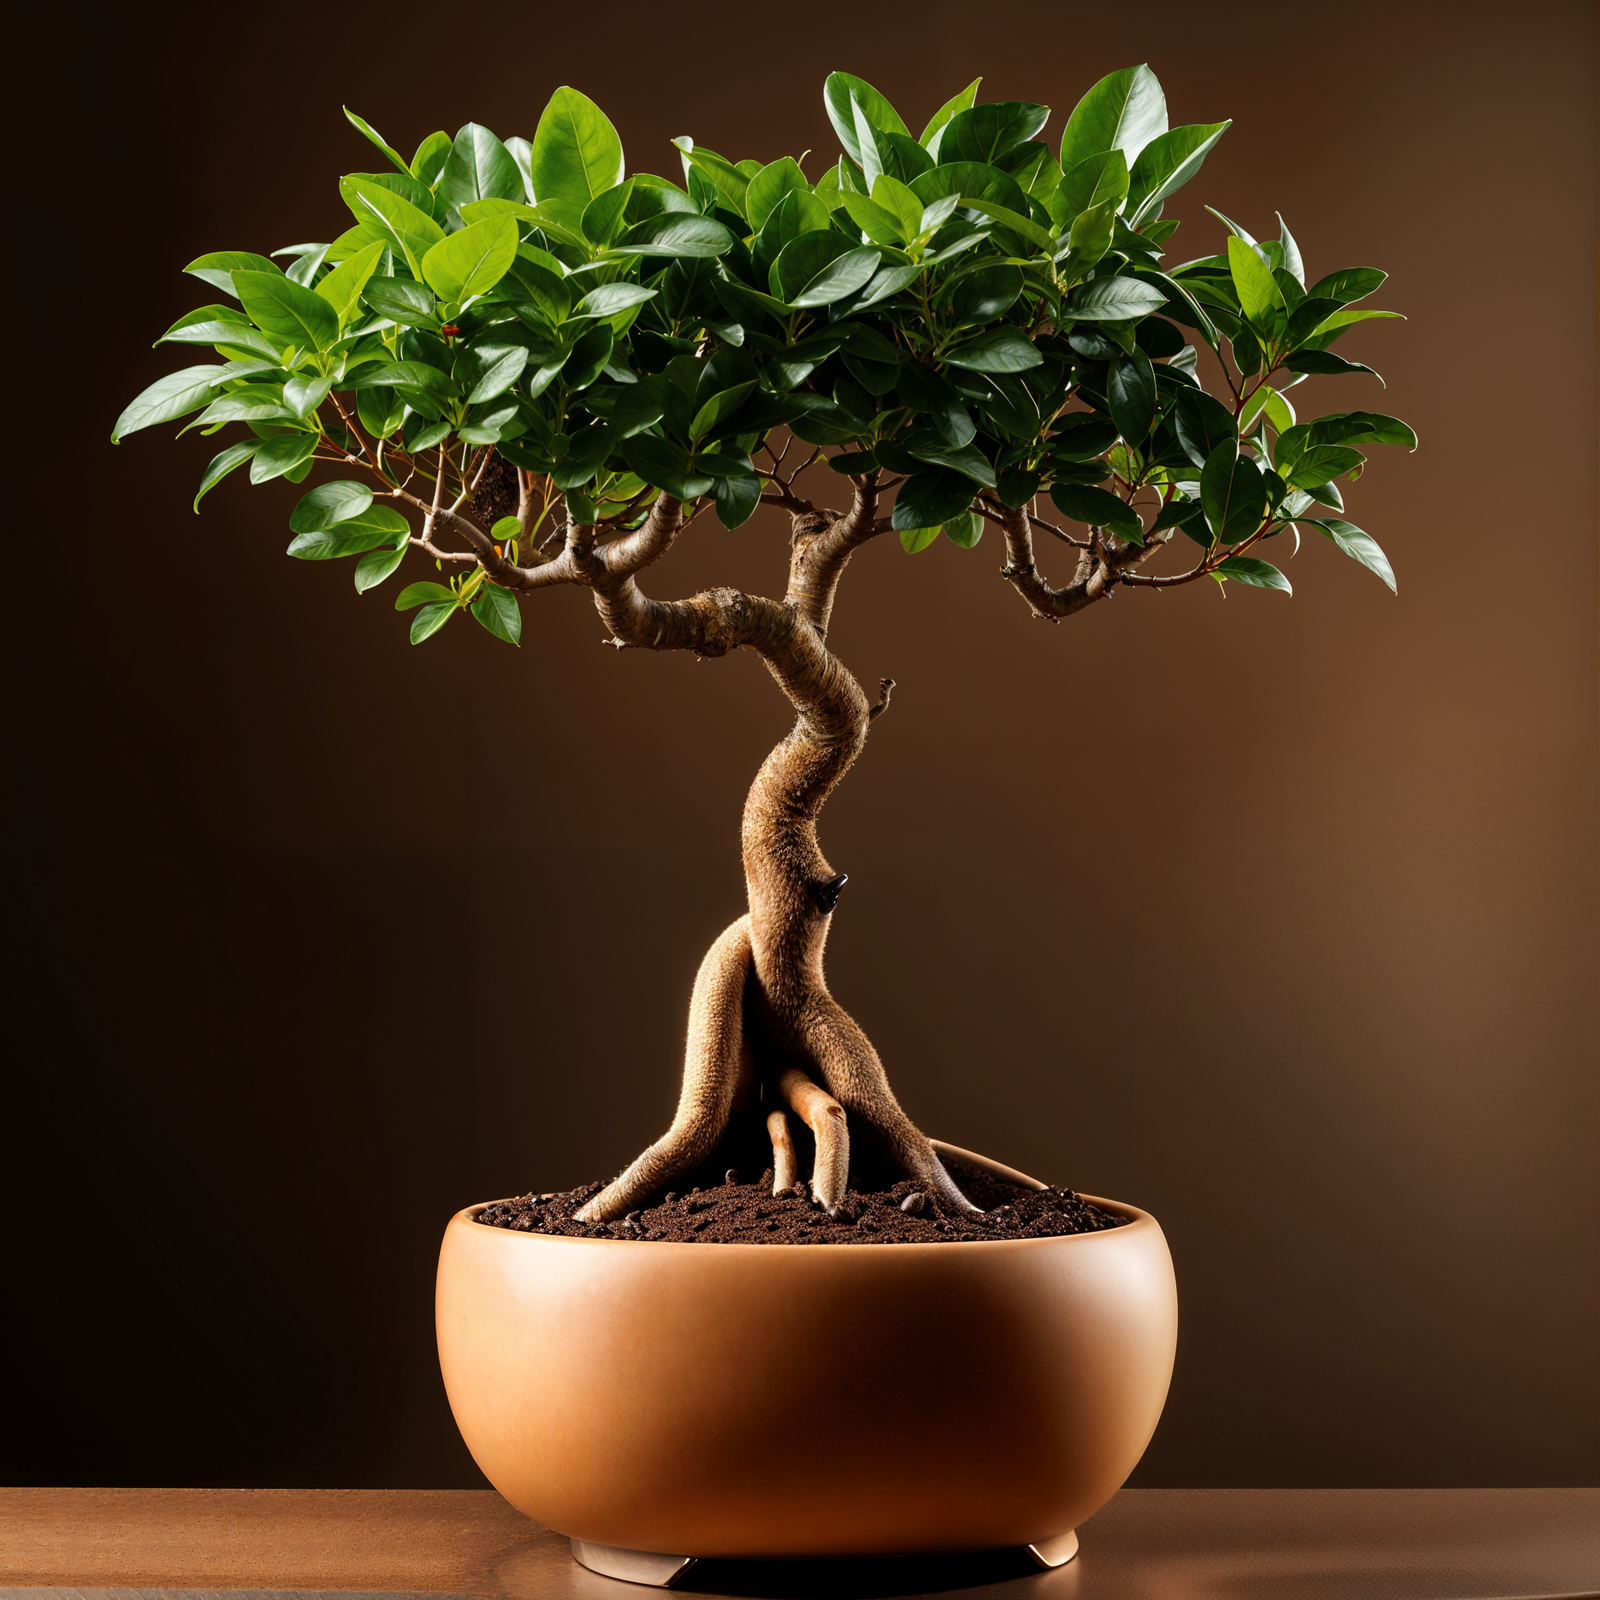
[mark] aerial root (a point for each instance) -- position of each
(716, 1060)
(824, 1116)
(784, 1167)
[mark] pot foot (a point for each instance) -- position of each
(632, 1566)
(1057, 1551)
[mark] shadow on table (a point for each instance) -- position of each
(856, 1580)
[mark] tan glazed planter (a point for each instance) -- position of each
(738, 1400)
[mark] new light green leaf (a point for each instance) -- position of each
(471, 262)
(343, 286)
(496, 609)
(169, 398)
(576, 151)
(411, 231)
(366, 129)
(958, 102)
(286, 312)
(1259, 296)
(234, 456)
(879, 225)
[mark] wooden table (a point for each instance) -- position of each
(1148, 1544)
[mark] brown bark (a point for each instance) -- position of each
(785, 1010)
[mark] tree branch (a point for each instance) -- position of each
(821, 545)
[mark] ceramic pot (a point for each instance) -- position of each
(737, 1400)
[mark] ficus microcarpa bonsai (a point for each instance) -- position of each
(533, 371)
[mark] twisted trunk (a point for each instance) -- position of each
(761, 1011)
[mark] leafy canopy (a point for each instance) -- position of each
(978, 314)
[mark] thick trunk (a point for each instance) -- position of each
(761, 990)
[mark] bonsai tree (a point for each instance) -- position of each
(535, 372)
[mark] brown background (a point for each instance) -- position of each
(1274, 916)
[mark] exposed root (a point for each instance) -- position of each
(716, 1063)
(785, 1168)
(825, 1117)
(763, 980)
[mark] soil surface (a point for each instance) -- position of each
(743, 1210)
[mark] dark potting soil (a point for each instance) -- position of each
(743, 1210)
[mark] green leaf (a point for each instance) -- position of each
(403, 374)
(1258, 574)
(720, 405)
(738, 495)
(676, 233)
(252, 403)
(414, 233)
(955, 103)
(427, 165)
(1321, 464)
(999, 350)
(471, 262)
(1347, 284)
(479, 167)
(987, 132)
(1024, 227)
(218, 268)
(1324, 362)
(1124, 111)
(1292, 263)
(1340, 320)
(930, 499)
(285, 311)
(1098, 508)
(169, 398)
(367, 130)
(1097, 180)
(766, 191)
(818, 269)
(422, 594)
(304, 394)
(1259, 296)
(880, 225)
(1168, 162)
(281, 454)
(965, 530)
(1116, 299)
(234, 456)
(429, 620)
(1202, 422)
(1233, 493)
(403, 300)
(499, 375)
(916, 539)
(1362, 427)
(663, 464)
(343, 286)
(496, 609)
(377, 527)
(576, 152)
(924, 445)
(328, 505)
(375, 566)
(1131, 393)
(838, 92)
(1358, 545)
(611, 298)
